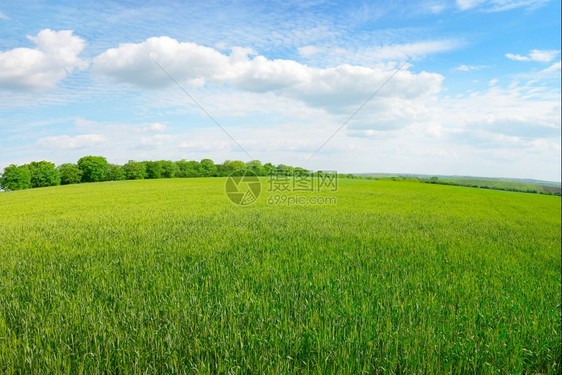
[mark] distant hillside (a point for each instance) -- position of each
(498, 183)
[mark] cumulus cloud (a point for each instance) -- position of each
(41, 68)
(130, 62)
(69, 142)
(331, 88)
(535, 55)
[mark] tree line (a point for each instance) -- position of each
(97, 169)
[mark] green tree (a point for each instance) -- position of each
(189, 168)
(181, 168)
(298, 171)
(15, 178)
(256, 167)
(153, 169)
(269, 169)
(160, 169)
(208, 168)
(115, 173)
(70, 174)
(230, 166)
(285, 170)
(223, 169)
(168, 169)
(135, 170)
(43, 173)
(94, 168)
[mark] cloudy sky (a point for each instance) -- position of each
(477, 92)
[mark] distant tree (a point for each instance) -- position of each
(15, 178)
(189, 168)
(135, 170)
(269, 169)
(229, 166)
(181, 168)
(168, 169)
(43, 173)
(115, 173)
(94, 168)
(160, 169)
(298, 171)
(256, 167)
(237, 165)
(208, 168)
(69, 174)
(285, 170)
(153, 169)
(223, 169)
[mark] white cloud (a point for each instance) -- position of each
(554, 68)
(41, 68)
(372, 54)
(548, 74)
(157, 127)
(503, 115)
(535, 55)
(3, 16)
(543, 56)
(496, 129)
(498, 5)
(468, 68)
(403, 51)
(512, 56)
(463, 68)
(68, 142)
(130, 62)
(435, 7)
(308, 51)
(333, 88)
(467, 4)
(156, 140)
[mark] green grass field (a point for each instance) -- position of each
(168, 276)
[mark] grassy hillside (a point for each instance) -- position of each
(168, 276)
(497, 183)
(501, 185)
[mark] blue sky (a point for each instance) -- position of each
(479, 96)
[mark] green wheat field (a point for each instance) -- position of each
(168, 276)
